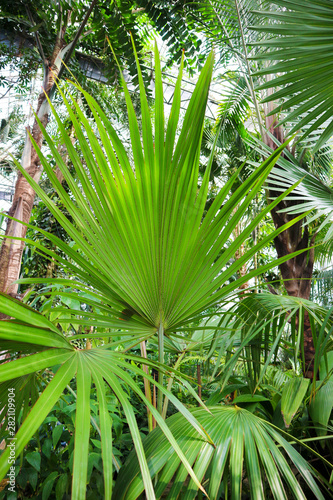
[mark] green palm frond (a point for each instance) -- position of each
(95, 365)
(143, 243)
(322, 283)
(310, 194)
(241, 441)
(300, 47)
(262, 324)
(220, 21)
(144, 254)
(178, 31)
(313, 192)
(235, 108)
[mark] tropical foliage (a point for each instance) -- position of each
(240, 439)
(144, 365)
(301, 53)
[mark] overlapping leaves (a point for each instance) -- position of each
(300, 46)
(143, 252)
(241, 440)
(139, 236)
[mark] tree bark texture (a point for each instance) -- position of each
(11, 250)
(24, 195)
(296, 272)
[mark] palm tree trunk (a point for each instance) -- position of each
(11, 250)
(296, 272)
(24, 195)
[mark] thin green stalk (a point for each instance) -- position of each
(160, 373)
(170, 382)
(255, 241)
(250, 79)
(147, 385)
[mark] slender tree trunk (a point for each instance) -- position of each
(296, 272)
(11, 250)
(24, 195)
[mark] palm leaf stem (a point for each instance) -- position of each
(147, 385)
(170, 382)
(160, 373)
(249, 79)
(82, 428)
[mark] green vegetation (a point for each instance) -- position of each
(163, 328)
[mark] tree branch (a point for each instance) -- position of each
(38, 42)
(76, 39)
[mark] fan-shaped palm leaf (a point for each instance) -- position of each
(241, 441)
(260, 322)
(141, 249)
(300, 41)
(311, 194)
(95, 365)
(143, 244)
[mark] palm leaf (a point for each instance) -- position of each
(260, 321)
(300, 47)
(241, 440)
(98, 364)
(313, 192)
(39, 411)
(145, 246)
(141, 249)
